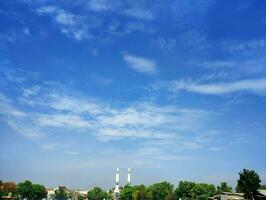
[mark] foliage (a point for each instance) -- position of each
(31, 191)
(248, 183)
(202, 191)
(61, 193)
(127, 192)
(194, 191)
(224, 188)
(263, 187)
(81, 197)
(141, 193)
(184, 190)
(97, 194)
(134, 193)
(39, 191)
(2, 192)
(161, 191)
(8, 188)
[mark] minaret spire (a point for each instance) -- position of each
(117, 181)
(128, 176)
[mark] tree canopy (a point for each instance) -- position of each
(248, 183)
(184, 190)
(97, 194)
(187, 190)
(224, 188)
(31, 191)
(61, 194)
(161, 191)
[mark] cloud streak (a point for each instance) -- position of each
(140, 64)
(257, 86)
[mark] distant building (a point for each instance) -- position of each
(50, 193)
(228, 196)
(261, 195)
(74, 193)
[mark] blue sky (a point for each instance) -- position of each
(173, 89)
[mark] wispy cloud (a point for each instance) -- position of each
(138, 11)
(7, 109)
(83, 26)
(257, 86)
(49, 110)
(71, 25)
(140, 64)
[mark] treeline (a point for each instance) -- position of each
(165, 190)
(22, 190)
(248, 183)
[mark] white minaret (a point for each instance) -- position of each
(117, 181)
(128, 176)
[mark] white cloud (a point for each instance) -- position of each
(69, 24)
(238, 67)
(47, 9)
(140, 64)
(105, 122)
(62, 102)
(50, 111)
(65, 18)
(26, 128)
(7, 109)
(257, 86)
(66, 121)
(136, 11)
(15, 75)
(28, 92)
(85, 25)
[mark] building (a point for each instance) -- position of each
(228, 196)
(261, 195)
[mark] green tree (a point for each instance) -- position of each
(141, 193)
(127, 192)
(61, 194)
(39, 192)
(81, 197)
(161, 191)
(224, 188)
(202, 191)
(248, 183)
(184, 190)
(25, 190)
(31, 191)
(97, 194)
